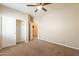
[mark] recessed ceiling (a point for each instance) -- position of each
(29, 10)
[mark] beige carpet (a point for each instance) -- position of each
(38, 48)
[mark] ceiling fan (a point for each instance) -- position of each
(39, 6)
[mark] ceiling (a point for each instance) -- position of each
(29, 10)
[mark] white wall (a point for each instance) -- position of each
(12, 13)
(61, 25)
(0, 33)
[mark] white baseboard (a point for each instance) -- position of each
(62, 44)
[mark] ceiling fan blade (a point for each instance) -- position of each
(44, 9)
(36, 10)
(31, 5)
(46, 4)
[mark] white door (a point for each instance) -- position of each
(8, 31)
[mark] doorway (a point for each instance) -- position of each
(18, 31)
(34, 31)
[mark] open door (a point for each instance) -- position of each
(18, 31)
(21, 31)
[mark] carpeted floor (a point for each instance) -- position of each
(38, 48)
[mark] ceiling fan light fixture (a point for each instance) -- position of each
(39, 7)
